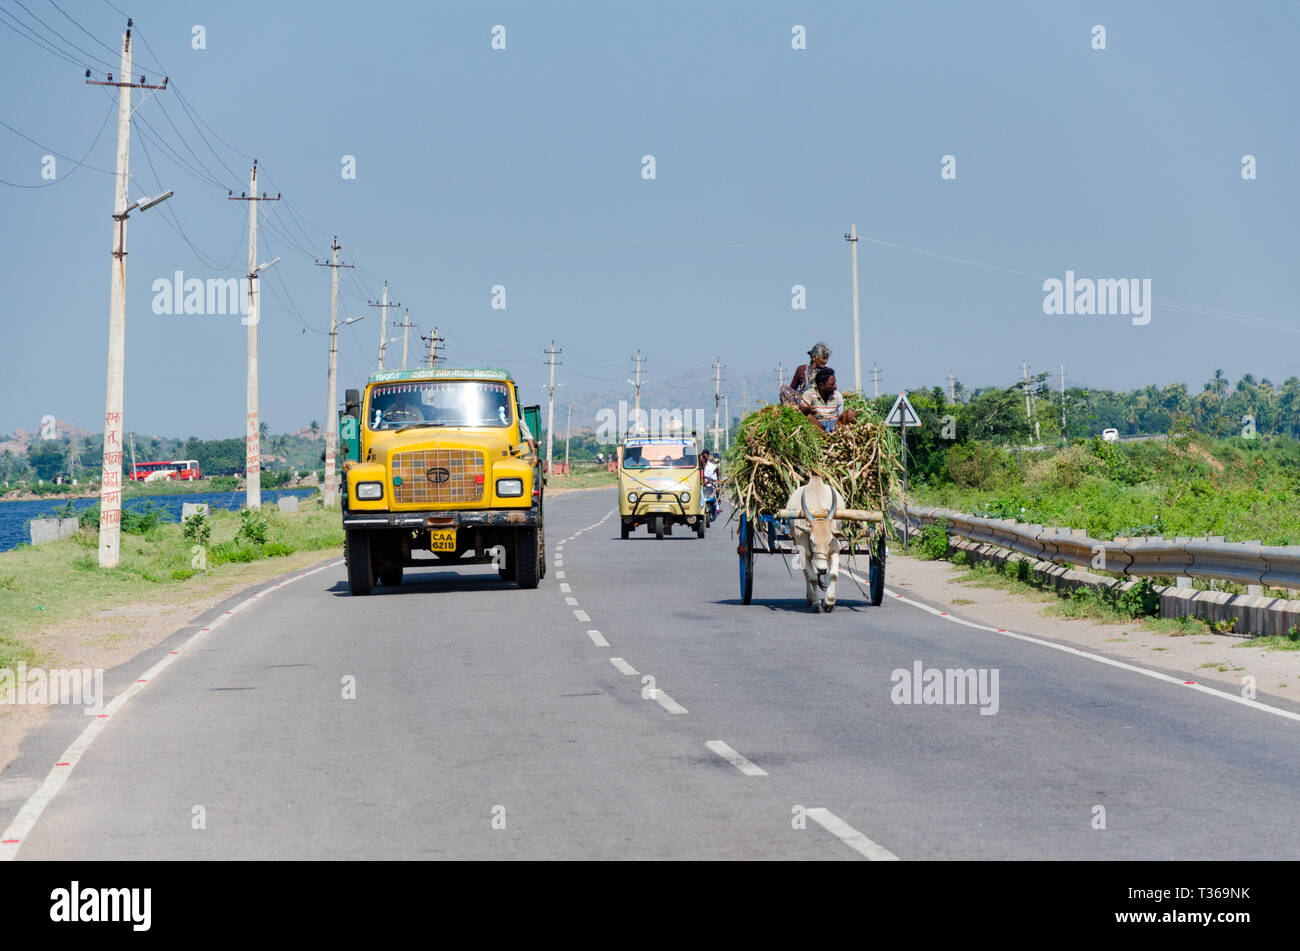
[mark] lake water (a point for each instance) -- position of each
(14, 516)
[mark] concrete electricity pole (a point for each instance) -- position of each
(780, 375)
(717, 402)
(550, 407)
(852, 239)
(383, 306)
(952, 393)
(252, 438)
(1062, 404)
(875, 380)
(110, 478)
(726, 403)
(568, 427)
(636, 418)
(328, 490)
(406, 326)
(433, 340)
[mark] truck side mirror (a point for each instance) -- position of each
(352, 403)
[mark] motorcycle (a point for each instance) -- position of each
(710, 501)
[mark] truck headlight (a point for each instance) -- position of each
(370, 491)
(631, 497)
(509, 488)
(686, 496)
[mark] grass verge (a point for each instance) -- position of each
(61, 581)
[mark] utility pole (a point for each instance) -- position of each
(1062, 404)
(568, 426)
(252, 436)
(133, 454)
(780, 375)
(875, 379)
(726, 412)
(744, 401)
(637, 384)
(383, 306)
(110, 478)
(331, 411)
(717, 401)
(952, 393)
(550, 407)
(406, 325)
(433, 341)
(852, 238)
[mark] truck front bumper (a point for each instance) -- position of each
(470, 518)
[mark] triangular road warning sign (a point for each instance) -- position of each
(903, 414)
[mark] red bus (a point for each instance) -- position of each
(186, 469)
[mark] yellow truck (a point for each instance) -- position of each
(659, 484)
(444, 461)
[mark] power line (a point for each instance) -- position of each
(76, 164)
(83, 52)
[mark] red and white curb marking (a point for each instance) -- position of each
(1065, 648)
(12, 838)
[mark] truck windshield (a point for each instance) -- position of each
(659, 457)
(469, 403)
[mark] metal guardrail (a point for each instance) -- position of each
(1210, 557)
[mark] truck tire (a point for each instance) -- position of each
(390, 576)
(361, 577)
(528, 558)
(506, 572)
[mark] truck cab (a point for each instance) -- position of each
(442, 461)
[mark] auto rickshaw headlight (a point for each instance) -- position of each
(631, 497)
(686, 496)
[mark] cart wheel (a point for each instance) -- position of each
(876, 574)
(659, 526)
(746, 552)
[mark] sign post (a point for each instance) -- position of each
(903, 415)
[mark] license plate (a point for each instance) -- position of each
(442, 540)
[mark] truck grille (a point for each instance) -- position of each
(420, 471)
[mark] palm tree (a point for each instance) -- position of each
(315, 428)
(263, 431)
(1219, 384)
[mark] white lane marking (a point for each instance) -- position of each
(598, 639)
(1065, 648)
(850, 836)
(570, 601)
(734, 758)
(559, 563)
(668, 703)
(581, 616)
(23, 823)
(564, 588)
(559, 574)
(623, 666)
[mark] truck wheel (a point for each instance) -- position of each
(390, 576)
(528, 558)
(506, 571)
(627, 529)
(659, 526)
(361, 578)
(700, 526)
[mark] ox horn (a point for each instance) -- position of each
(835, 503)
(803, 503)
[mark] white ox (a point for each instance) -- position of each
(817, 539)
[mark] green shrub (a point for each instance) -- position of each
(197, 529)
(931, 542)
(277, 549)
(142, 521)
(1141, 600)
(253, 526)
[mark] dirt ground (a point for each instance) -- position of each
(1276, 673)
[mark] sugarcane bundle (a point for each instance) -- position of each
(778, 449)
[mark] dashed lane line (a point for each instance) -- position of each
(735, 759)
(598, 639)
(850, 836)
(623, 667)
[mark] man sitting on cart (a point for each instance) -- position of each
(824, 403)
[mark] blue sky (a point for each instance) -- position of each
(477, 167)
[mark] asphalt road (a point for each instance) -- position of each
(490, 722)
